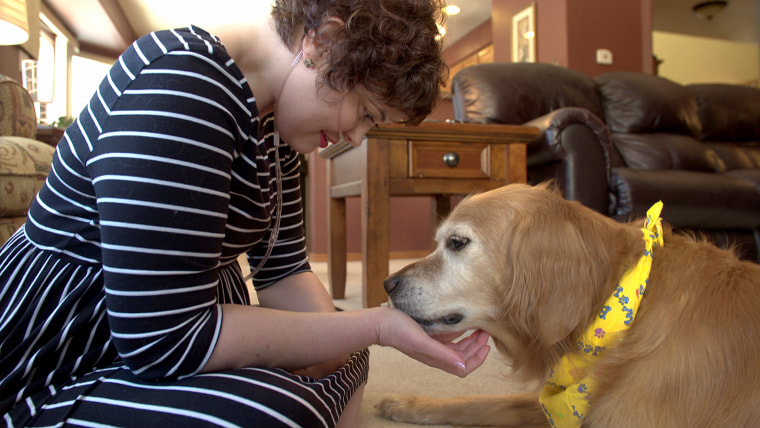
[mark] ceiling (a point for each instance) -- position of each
(739, 21)
(107, 27)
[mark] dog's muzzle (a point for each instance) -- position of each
(394, 286)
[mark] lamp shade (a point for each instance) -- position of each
(14, 27)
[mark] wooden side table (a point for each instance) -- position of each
(436, 159)
(49, 134)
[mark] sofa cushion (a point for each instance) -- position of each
(737, 156)
(666, 151)
(640, 103)
(24, 166)
(728, 112)
(691, 199)
(514, 93)
(751, 175)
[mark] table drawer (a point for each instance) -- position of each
(432, 159)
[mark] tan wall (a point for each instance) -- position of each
(691, 59)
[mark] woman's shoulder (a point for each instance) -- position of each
(182, 50)
(191, 39)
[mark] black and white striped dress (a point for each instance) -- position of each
(110, 295)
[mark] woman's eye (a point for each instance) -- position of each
(456, 243)
(368, 115)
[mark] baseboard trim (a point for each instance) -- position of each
(353, 257)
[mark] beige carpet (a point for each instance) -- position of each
(392, 372)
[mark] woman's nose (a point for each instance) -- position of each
(356, 135)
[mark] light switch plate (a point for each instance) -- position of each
(603, 56)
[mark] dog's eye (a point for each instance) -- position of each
(456, 243)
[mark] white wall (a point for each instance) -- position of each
(691, 59)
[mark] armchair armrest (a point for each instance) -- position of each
(573, 149)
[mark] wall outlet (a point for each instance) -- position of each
(604, 56)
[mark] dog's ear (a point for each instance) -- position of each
(566, 259)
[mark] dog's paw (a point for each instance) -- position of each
(402, 408)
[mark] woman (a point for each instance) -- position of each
(122, 301)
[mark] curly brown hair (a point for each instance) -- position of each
(387, 46)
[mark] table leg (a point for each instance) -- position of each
(336, 247)
(440, 207)
(375, 224)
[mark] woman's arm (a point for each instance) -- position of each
(292, 339)
(303, 292)
(262, 337)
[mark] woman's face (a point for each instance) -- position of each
(308, 118)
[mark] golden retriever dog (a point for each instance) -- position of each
(534, 271)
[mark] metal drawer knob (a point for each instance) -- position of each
(451, 159)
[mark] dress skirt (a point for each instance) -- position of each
(58, 365)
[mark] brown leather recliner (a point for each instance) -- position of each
(622, 141)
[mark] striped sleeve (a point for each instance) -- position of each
(161, 173)
(289, 252)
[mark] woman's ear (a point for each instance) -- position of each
(316, 43)
(309, 47)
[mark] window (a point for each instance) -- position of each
(38, 76)
(56, 91)
(86, 75)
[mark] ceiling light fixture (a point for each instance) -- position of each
(708, 9)
(14, 27)
(452, 9)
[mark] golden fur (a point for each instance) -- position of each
(533, 270)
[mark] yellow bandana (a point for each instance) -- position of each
(568, 390)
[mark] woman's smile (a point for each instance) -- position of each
(325, 140)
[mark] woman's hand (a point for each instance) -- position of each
(400, 331)
(317, 343)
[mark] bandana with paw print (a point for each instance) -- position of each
(568, 391)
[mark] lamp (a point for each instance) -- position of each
(708, 9)
(14, 27)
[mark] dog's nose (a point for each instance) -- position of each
(391, 283)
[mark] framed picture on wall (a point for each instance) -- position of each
(524, 35)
